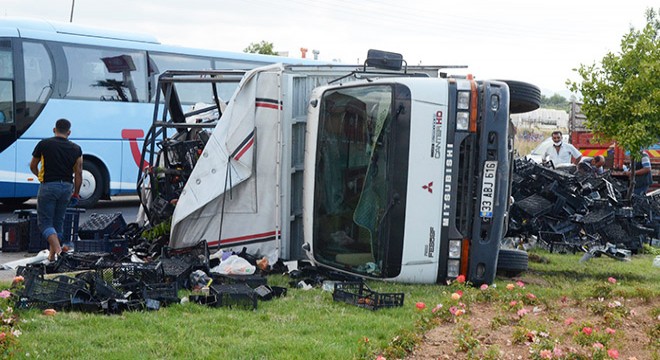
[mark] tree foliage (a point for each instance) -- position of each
(264, 47)
(555, 101)
(621, 96)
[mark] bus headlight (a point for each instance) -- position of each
(462, 120)
(463, 101)
(453, 267)
(454, 249)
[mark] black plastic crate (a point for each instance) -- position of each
(253, 281)
(56, 292)
(359, 294)
(98, 226)
(35, 242)
(197, 255)
(535, 205)
(555, 242)
(132, 276)
(70, 226)
(235, 296)
(165, 293)
(116, 247)
(15, 235)
(177, 271)
(75, 261)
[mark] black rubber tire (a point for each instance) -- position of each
(14, 201)
(89, 201)
(511, 262)
(523, 97)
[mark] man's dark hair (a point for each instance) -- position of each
(599, 158)
(556, 132)
(63, 126)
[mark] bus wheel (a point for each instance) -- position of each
(511, 262)
(524, 97)
(92, 185)
(14, 201)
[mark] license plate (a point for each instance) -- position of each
(488, 190)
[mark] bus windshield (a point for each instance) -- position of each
(355, 189)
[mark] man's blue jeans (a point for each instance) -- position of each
(52, 199)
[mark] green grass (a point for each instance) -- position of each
(302, 325)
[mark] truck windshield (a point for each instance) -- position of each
(356, 191)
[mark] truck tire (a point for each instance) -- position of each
(92, 186)
(511, 262)
(524, 97)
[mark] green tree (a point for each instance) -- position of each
(264, 47)
(556, 102)
(621, 96)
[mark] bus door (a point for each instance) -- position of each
(8, 132)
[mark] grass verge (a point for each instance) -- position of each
(309, 325)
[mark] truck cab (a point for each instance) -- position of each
(407, 179)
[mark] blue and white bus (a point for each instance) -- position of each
(104, 83)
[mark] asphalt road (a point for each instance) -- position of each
(126, 205)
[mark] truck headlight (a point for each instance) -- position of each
(453, 267)
(454, 249)
(462, 120)
(463, 100)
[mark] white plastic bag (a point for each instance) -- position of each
(656, 261)
(234, 265)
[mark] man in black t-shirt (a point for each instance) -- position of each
(60, 176)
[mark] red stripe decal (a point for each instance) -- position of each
(244, 238)
(244, 149)
(270, 106)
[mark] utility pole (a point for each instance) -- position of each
(73, 4)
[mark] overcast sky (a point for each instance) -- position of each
(529, 40)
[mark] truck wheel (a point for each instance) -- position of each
(92, 185)
(511, 262)
(524, 97)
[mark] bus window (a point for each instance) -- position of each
(6, 102)
(6, 64)
(38, 76)
(188, 93)
(106, 74)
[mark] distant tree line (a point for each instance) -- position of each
(556, 102)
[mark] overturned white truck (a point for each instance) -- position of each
(383, 174)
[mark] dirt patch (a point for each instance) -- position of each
(496, 331)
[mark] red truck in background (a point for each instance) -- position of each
(615, 157)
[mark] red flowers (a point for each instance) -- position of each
(460, 279)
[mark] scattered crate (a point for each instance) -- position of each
(164, 293)
(197, 255)
(116, 247)
(555, 242)
(35, 242)
(360, 295)
(56, 292)
(253, 281)
(70, 226)
(235, 296)
(15, 235)
(101, 225)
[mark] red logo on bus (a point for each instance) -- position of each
(132, 135)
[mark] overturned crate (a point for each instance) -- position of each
(359, 294)
(54, 293)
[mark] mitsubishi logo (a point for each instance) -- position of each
(429, 187)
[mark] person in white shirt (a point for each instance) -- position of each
(560, 152)
(592, 165)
